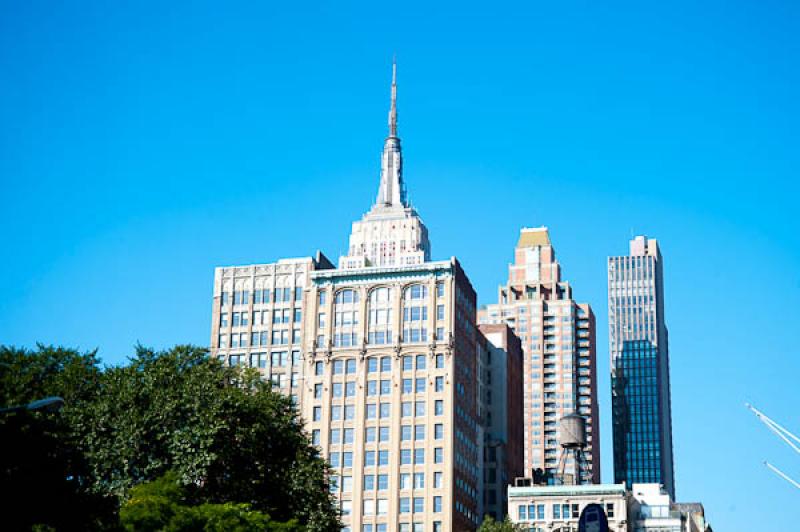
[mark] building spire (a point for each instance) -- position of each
(393, 108)
(392, 192)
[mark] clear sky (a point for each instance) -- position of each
(143, 144)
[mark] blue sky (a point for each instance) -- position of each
(143, 144)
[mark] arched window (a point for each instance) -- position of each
(415, 313)
(345, 324)
(380, 316)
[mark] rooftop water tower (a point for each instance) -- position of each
(573, 467)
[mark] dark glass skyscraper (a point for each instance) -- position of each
(640, 391)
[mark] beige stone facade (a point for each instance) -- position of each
(381, 357)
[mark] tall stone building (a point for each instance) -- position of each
(558, 338)
(500, 363)
(640, 390)
(382, 356)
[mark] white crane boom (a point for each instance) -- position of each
(784, 434)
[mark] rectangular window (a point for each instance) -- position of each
(419, 481)
(369, 458)
(419, 432)
(383, 508)
(333, 459)
(419, 505)
(405, 481)
(405, 456)
(383, 482)
(322, 297)
(383, 458)
(372, 365)
(438, 431)
(437, 504)
(438, 455)
(419, 385)
(336, 413)
(386, 364)
(369, 434)
(419, 408)
(406, 407)
(440, 360)
(437, 479)
(384, 434)
(371, 411)
(407, 385)
(336, 436)
(386, 387)
(369, 482)
(438, 407)
(405, 505)
(420, 362)
(419, 456)
(385, 410)
(405, 433)
(348, 435)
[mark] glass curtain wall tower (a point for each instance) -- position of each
(640, 390)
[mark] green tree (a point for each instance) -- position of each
(490, 525)
(223, 431)
(162, 505)
(44, 476)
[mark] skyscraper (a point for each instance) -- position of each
(640, 391)
(558, 339)
(381, 356)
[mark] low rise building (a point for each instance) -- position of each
(644, 508)
(558, 508)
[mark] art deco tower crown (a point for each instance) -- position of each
(391, 233)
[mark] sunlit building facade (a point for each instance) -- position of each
(641, 411)
(558, 339)
(381, 354)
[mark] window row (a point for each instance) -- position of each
(278, 295)
(276, 359)
(374, 364)
(277, 337)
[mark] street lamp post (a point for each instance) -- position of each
(48, 404)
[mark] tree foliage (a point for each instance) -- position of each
(490, 525)
(228, 438)
(163, 505)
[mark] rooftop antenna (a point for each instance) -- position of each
(784, 434)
